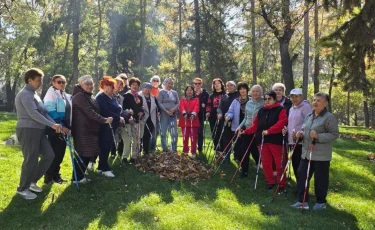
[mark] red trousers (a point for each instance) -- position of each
(271, 157)
(190, 132)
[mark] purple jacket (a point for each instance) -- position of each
(297, 115)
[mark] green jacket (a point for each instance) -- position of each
(325, 124)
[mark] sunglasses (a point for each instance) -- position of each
(197, 83)
(155, 80)
(268, 98)
(61, 82)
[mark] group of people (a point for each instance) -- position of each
(126, 116)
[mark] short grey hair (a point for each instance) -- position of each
(155, 77)
(84, 79)
(278, 85)
(257, 86)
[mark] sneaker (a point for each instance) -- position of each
(99, 171)
(193, 155)
(270, 186)
(299, 205)
(108, 174)
(318, 207)
(58, 179)
(26, 194)
(35, 188)
(90, 166)
(82, 181)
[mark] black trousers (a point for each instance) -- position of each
(58, 145)
(120, 148)
(105, 146)
(253, 149)
(227, 136)
(147, 136)
(320, 170)
(200, 134)
(296, 159)
(80, 167)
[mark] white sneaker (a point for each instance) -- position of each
(99, 171)
(108, 174)
(26, 194)
(35, 188)
(82, 181)
(90, 166)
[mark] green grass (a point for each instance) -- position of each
(357, 130)
(7, 124)
(143, 201)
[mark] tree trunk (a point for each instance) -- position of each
(11, 94)
(306, 52)
(98, 41)
(348, 108)
(317, 54)
(253, 42)
(286, 65)
(179, 38)
(143, 34)
(331, 82)
(197, 40)
(355, 119)
(76, 19)
(366, 113)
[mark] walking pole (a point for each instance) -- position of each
(218, 143)
(308, 173)
(229, 152)
(239, 166)
(286, 168)
(213, 165)
(152, 136)
(191, 134)
(113, 135)
(289, 170)
(211, 142)
(74, 167)
(260, 156)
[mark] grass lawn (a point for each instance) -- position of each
(135, 200)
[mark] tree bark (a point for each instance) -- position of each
(348, 108)
(331, 83)
(253, 42)
(76, 19)
(286, 65)
(143, 33)
(306, 53)
(317, 54)
(197, 40)
(179, 38)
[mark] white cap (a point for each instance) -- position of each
(296, 92)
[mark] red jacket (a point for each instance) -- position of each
(189, 106)
(277, 128)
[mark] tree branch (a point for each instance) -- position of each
(275, 30)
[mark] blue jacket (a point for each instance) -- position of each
(234, 113)
(109, 108)
(55, 105)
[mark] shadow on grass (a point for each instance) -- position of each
(115, 202)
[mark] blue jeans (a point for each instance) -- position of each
(168, 123)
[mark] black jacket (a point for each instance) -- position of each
(225, 102)
(131, 103)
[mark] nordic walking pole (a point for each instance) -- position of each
(218, 143)
(229, 152)
(239, 166)
(308, 173)
(113, 135)
(260, 156)
(212, 141)
(76, 156)
(209, 171)
(286, 168)
(74, 167)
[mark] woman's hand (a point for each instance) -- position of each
(57, 128)
(109, 120)
(313, 134)
(284, 131)
(207, 116)
(299, 135)
(122, 120)
(264, 133)
(227, 118)
(240, 132)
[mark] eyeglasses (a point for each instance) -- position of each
(268, 98)
(125, 79)
(155, 80)
(197, 83)
(61, 82)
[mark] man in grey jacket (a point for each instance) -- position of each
(321, 127)
(32, 121)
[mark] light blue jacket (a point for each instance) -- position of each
(55, 104)
(252, 108)
(234, 113)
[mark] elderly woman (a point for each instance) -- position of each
(59, 107)
(168, 104)
(320, 129)
(279, 89)
(297, 114)
(86, 121)
(236, 112)
(109, 107)
(155, 82)
(120, 100)
(150, 107)
(211, 110)
(267, 126)
(252, 107)
(133, 131)
(32, 121)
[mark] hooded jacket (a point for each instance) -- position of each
(297, 115)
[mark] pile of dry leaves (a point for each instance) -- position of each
(172, 166)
